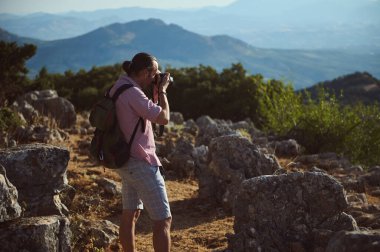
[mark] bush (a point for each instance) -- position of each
(9, 119)
(87, 96)
(323, 124)
(280, 108)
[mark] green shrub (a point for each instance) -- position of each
(87, 97)
(323, 124)
(9, 119)
(280, 108)
(362, 145)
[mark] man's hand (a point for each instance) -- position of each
(164, 83)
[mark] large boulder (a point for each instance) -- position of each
(233, 159)
(47, 103)
(355, 241)
(181, 160)
(206, 134)
(9, 207)
(289, 212)
(36, 234)
(39, 173)
(286, 148)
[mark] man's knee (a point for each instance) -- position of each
(163, 224)
(130, 216)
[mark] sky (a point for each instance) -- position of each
(54, 6)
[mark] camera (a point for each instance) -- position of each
(160, 76)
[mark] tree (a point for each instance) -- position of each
(13, 72)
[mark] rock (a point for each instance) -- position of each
(181, 161)
(232, 160)
(248, 126)
(200, 154)
(103, 231)
(46, 103)
(39, 173)
(191, 127)
(110, 186)
(356, 169)
(374, 169)
(204, 121)
(25, 109)
(12, 143)
(355, 241)
(367, 215)
(375, 191)
(357, 199)
(352, 184)
(84, 147)
(275, 212)
(206, 134)
(99, 233)
(39, 134)
(316, 169)
(327, 161)
(286, 148)
(372, 178)
(37, 234)
(9, 207)
(176, 118)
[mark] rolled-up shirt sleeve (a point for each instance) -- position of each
(143, 106)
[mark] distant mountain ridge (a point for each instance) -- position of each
(310, 24)
(179, 47)
(355, 87)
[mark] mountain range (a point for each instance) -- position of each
(296, 24)
(178, 47)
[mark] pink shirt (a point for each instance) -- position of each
(130, 106)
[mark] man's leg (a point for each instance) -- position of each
(161, 235)
(127, 229)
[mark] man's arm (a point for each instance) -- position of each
(164, 116)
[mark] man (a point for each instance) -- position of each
(142, 182)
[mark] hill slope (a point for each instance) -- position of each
(356, 87)
(178, 47)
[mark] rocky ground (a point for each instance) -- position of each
(198, 224)
(301, 205)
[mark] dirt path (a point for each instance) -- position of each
(198, 225)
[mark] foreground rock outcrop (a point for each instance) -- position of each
(233, 159)
(9, 207)
(38, 171)
(295, 211)
(37, 174)
(37, 234)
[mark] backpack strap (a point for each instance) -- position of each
(118, 91)
(135, 130)
(116, 95)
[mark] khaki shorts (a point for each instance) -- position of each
(143, 185)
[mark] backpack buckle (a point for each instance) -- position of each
(101, 156)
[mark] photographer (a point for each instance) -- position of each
(142, 182)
